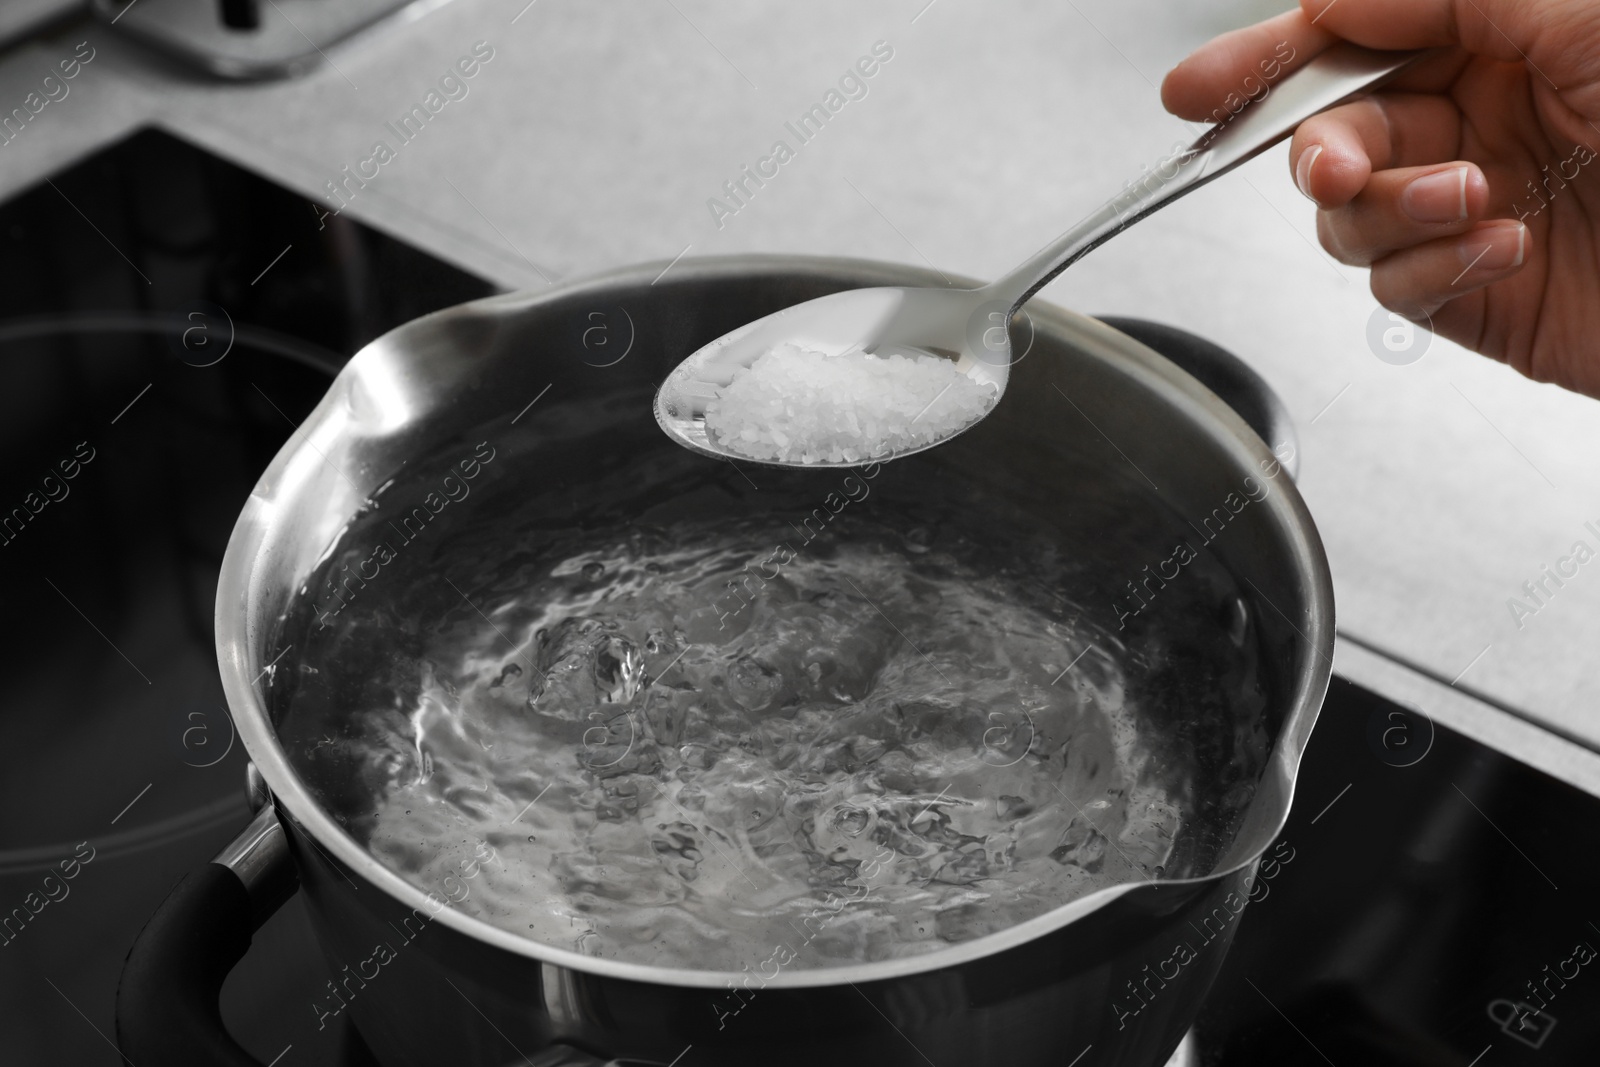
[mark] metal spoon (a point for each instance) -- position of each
(969, 326)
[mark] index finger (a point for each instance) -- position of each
(1219, 76)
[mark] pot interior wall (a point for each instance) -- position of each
(1113, 460)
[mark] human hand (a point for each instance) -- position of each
(1469, 184)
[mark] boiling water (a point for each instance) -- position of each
(876, 741)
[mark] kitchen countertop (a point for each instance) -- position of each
(594, 136)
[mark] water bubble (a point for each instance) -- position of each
(594, 571)
(697, 756)
(1010, 807)
(536, 688)
(753, 684)
(1081, 846)
(508, 672)
(851, 821)
(618, 669)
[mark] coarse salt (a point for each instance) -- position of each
(797, 406)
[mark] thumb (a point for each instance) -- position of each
(1558, 38)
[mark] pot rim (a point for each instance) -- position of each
(242, 666)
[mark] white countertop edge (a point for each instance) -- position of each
(1495, 727)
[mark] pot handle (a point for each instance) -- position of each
(1225, 374)
(167, 999)
(168, 1010)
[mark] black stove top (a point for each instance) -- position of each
(169, 318)
(166, 321)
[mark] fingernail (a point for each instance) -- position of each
(1438, 197)
(1302, 170)
(1499, 246)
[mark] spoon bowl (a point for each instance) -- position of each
(965, 326)
(971, 327)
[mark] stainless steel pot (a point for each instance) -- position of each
(1099, 977)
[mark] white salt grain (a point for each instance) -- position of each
(795, 406)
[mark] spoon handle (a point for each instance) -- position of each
(1332, 78)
